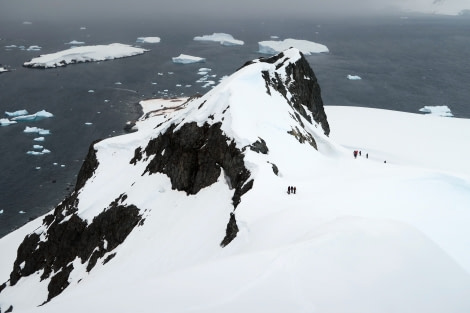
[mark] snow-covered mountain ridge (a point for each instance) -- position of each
(190, 213)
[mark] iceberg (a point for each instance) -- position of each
(187, 59)
(222, 38)
(16, 113)
(440, 110)
(148, 39)
(39, 139)
(1, 211)
(33, 48)
(75, 42)
(37, 130)
(354, 77)
(3, 70)
(6, 122)
(38, 147)
(84, 54)
(33, 117)
(305, 46)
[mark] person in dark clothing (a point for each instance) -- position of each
(355, 153)
(295, 190)
(288, 190)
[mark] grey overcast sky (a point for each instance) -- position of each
(50, 9)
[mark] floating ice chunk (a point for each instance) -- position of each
(187, 59)
(148, 39)
(82, 28)
(274, 37)
(45, 151)
(38, 168)
(33, 117)
(22, 212)
(354, 77)
(40, 139)
(38, 147)
(305, 46)
(40, 131)
(203, 71)
(1, 211)
(62, 165)
(222, 38)
(208, 83)
(84, 54)
(16, 113)
(88, 123)
(34, 48)
(91, 91)
(3, 70)
(34, 153)
(442, 110)
(6, 122)
(75, 42)
(118, 83)
(27, 23)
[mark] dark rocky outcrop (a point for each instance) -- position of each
(259, 146)
(88, 167)
(302, 85)
(70, 238)
(193, 157)
(231, 231)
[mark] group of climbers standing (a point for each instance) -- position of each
(356, 153)
(291, 189)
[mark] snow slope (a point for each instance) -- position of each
(359, 235)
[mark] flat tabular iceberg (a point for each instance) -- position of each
(37, 130)
(222, 38)
(441, 110)
(187, 59)
(148, 39)
(307, 47)
(354, 77)
(6, 122)
(75, 42)
(84, 54)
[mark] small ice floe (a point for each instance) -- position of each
(33, 117)
(222, 38)
(354, 77)
(274, 37)
(39, 139)
(187, 59)
(91, 91)
(37, 130)
(27, 23)
(204, 71)
(22, 212)
(440, 110)
(43, 151)
(1, 211)
(34, 48)
(55, 164)
(3, 69)
(153, 83)
(37, 168)
(82, 28)
(305, 46)
(17, 113)
(118, 83)
(75, 43)
(6, 122)
(160, 74)
(38, 147)
(178, 85)
(62, 165)
(148, 39)
(88, 123)
(208, 84)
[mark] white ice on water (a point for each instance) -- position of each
(148, 39)
(222, 38)
(353, 77)
(439, 110)
(305, 46)
(187, 59)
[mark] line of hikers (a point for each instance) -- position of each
(360, 153)
(291, 189)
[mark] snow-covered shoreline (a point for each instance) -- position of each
(84, 54)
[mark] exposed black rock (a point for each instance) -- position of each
(88, 167)
(275, 168)
(69, 237)
(259, 146)
(231, 231)
(302, 84)
(193, 157)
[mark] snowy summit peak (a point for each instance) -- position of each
(187, 159)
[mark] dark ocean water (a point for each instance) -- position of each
(405, 64)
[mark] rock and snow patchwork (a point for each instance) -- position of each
(305, 46)
(358, 235)
(440, 110)
(148, 39)
(187, 59)
(84, 54)
(223, 38)
(353, 77)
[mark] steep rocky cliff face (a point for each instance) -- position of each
(195, 144)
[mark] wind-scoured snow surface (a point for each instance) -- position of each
(360, 235)
(222, 38)
(84, 54)
(305, 46)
